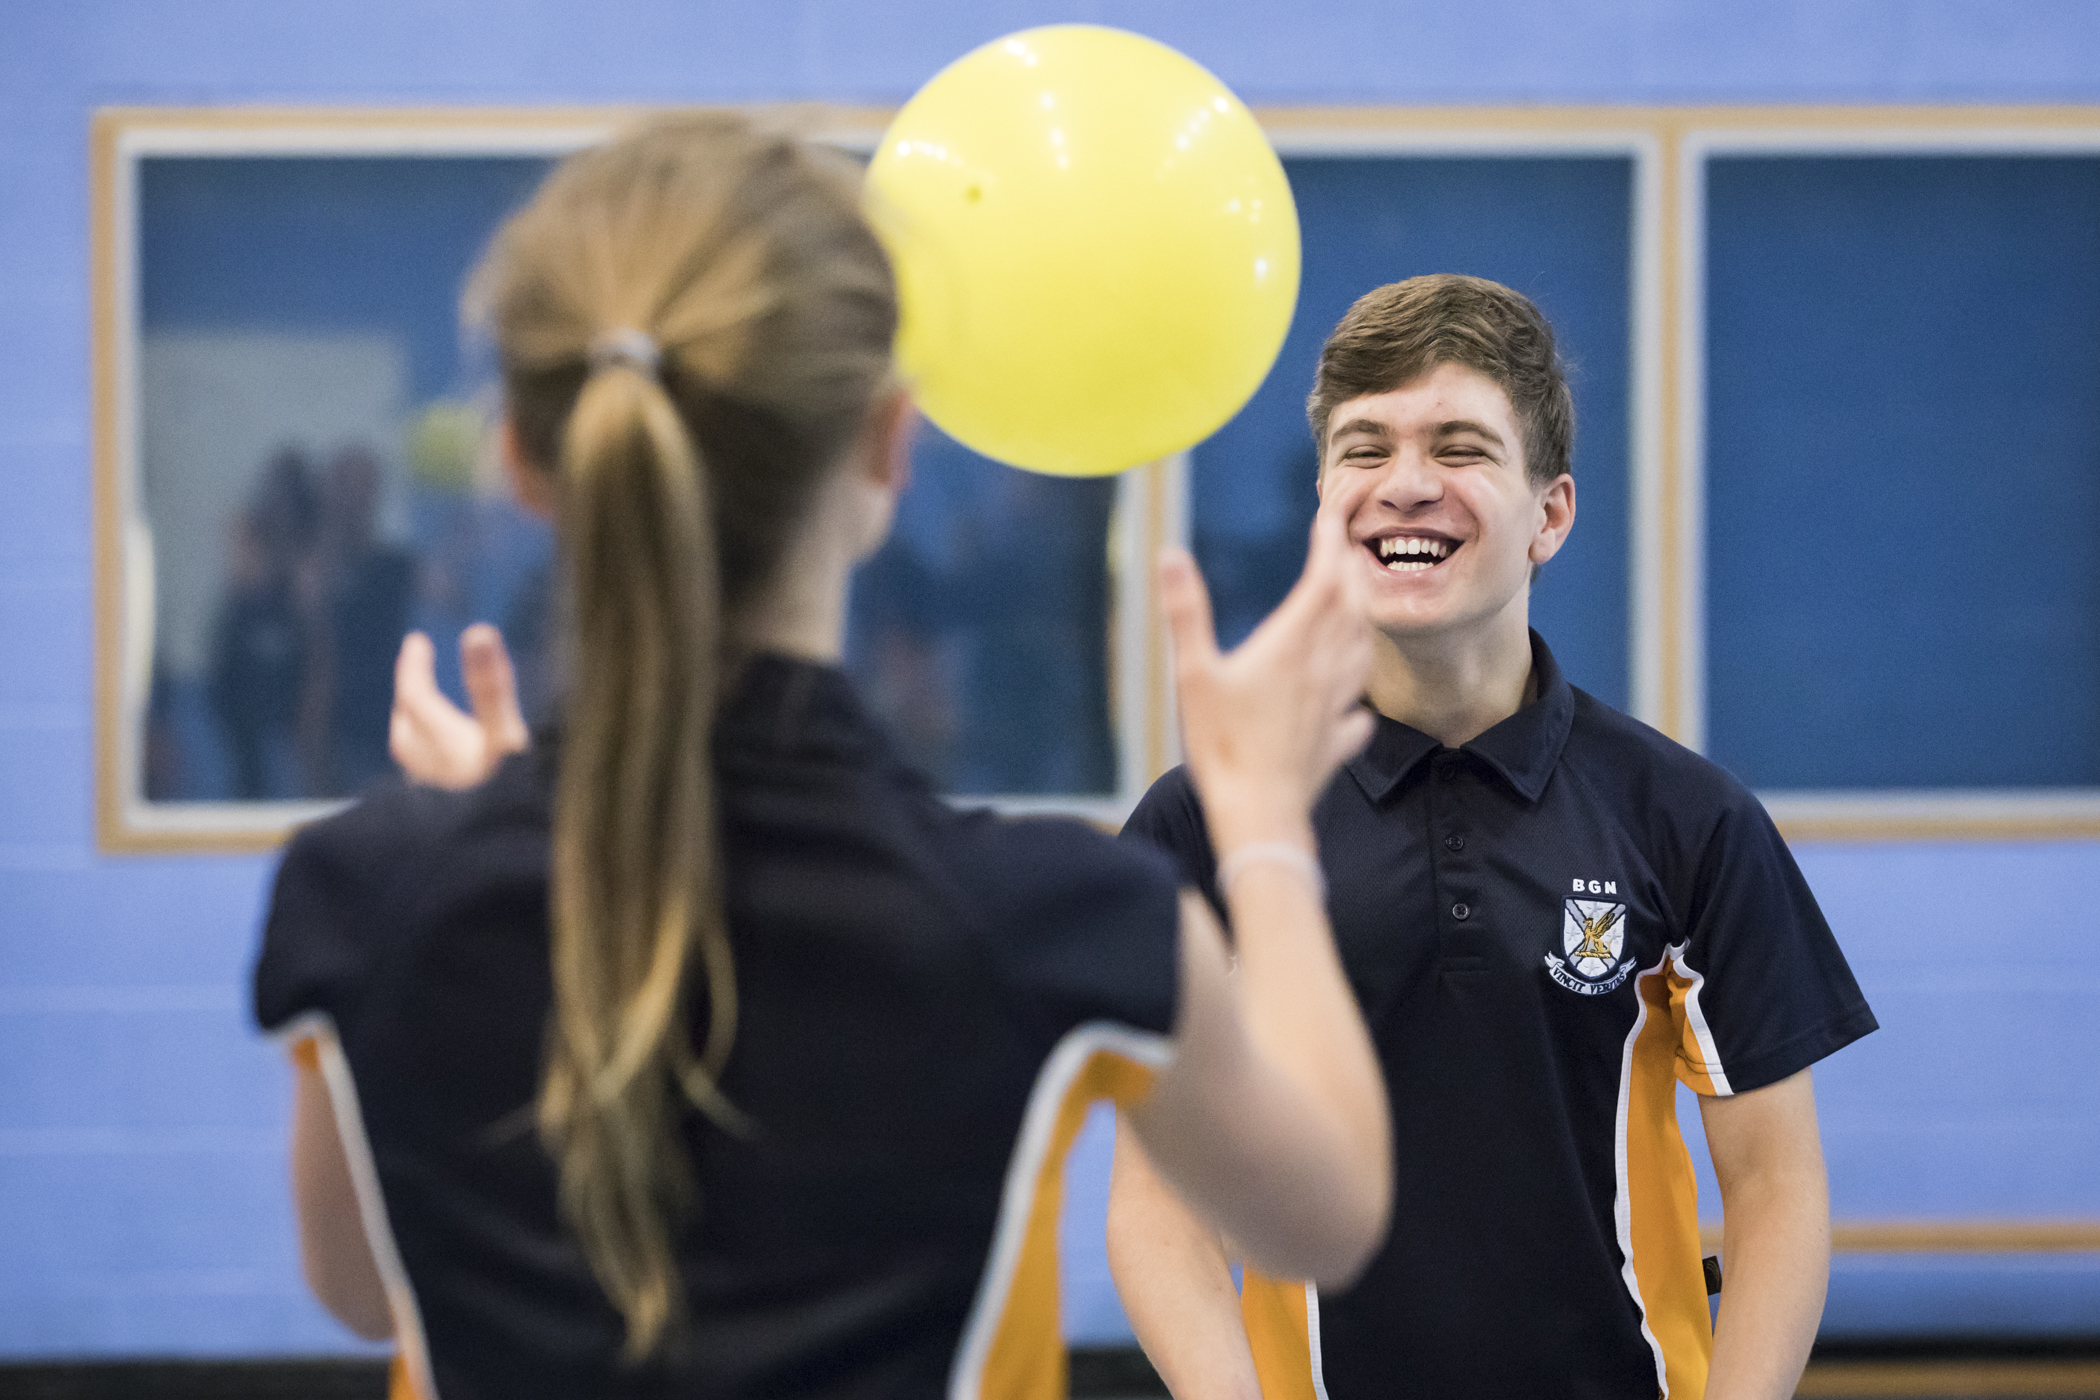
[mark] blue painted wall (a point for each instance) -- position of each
(142, 1206)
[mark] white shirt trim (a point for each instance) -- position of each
(1024, 1170)
(1695, 1016)
(319, 1027)
(1622, 1200)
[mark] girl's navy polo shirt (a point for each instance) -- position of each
(1548, 928)
(927, 1001)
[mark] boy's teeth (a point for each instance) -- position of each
(1412, 554)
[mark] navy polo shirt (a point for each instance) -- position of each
(1548, 928)
(927, 1000)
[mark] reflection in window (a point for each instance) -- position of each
(313, 483)
(980, 632)
(317, 479)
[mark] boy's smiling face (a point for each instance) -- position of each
(1431, 480)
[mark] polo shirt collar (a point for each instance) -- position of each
(779, 705)
(790, 706)
(1523, 748)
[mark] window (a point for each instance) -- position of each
(296, 467)
(1903, 470)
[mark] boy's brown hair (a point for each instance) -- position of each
(1401, 331)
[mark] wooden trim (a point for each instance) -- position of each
(264, 835)
(1950, 1237)
(1952, 827)
(801, 115)
(1966, 1237)
(1673, 620)
(107, 454)
(2039, 1376)
(1158, 678)
(1852, 118)
(1974, 814)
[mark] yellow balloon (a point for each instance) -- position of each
(1096, 249)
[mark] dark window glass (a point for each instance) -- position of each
(312, 470)
(980, 631)
(1903, 471)
(1557, 230)
(317, 482)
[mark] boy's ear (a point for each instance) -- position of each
(1558, 503)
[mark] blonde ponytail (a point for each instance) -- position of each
(635, 883)
(743, 259)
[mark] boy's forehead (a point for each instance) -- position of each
(1441, 393)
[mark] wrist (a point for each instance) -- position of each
(1237, 824)
(1288, 859)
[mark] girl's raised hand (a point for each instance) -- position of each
(1266, 724)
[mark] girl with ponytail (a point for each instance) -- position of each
(696, 1048)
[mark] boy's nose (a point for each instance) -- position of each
(1409, 479)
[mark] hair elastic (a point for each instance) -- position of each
(1293, 858)
(624, 345)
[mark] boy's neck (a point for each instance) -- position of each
(1454, 688)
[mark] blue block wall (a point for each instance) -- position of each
(142, 1200)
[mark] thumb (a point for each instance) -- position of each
(1186, 603)
(1328, 549)
(1349, 737)
(492, 685)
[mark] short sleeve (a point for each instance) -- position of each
(1763, 989)
(325, 910)
(1086, 929)
(1169, 818)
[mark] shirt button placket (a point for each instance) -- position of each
(1445, 816)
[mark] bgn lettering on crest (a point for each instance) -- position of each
(1583, 886)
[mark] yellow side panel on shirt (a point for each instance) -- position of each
(1663, 1196)
(1279, 1334)
(1663, 1193)
(1027, 1356)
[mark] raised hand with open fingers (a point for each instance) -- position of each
(1266, 724)
(434, 741)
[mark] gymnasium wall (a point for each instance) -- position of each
(142, 1200)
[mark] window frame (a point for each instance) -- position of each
(1669, 146)
(1147, 513)
(1844, 814)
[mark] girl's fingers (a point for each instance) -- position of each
(1350, 736)
(1329, 557)
(1186, 604)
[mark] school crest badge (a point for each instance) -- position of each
(1592, 937)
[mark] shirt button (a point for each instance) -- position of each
(1454, 842)
(1445, 772)
(1461, 912)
